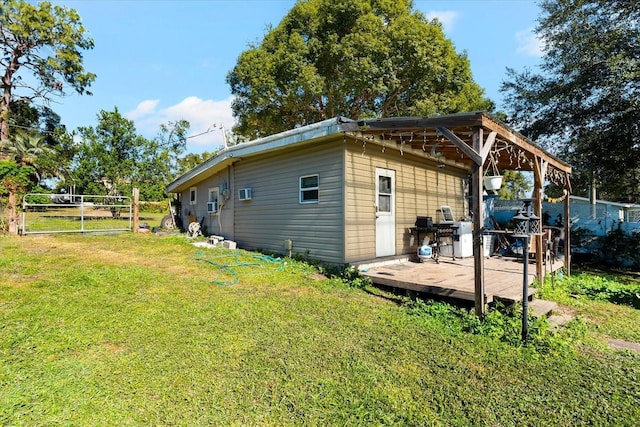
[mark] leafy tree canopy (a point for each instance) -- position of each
(40, 54)
(24, 148)
(515, 185)
(191, 160)
(585, 103)
(15, 177)
(112, 158)
(37, 139)
(355, 58)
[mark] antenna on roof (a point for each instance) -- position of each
(224, 133)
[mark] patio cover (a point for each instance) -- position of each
(478, 142)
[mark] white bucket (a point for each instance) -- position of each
(492, 182)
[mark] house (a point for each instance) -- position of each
(344, 191)
(330, 194)
(599, 216)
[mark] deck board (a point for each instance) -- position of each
(503, 278)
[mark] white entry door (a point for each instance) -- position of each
(385, 212)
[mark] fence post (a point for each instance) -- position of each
(136, 202)
(13, 215)
(81, 212)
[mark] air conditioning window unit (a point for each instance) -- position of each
(244, 194)
(212, 207)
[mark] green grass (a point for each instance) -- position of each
(64, 219)
(136, 330)
(610, 303)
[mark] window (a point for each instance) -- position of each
(193, 192)
(309, 189)
(212, 203)
(384, 194)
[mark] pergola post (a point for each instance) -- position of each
(567, 234)
(478, 223)
(539, 172)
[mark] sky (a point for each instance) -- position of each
(159, 61)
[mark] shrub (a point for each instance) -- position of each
(500, 323)
(601, 287)
(155, 207)
(618, 248)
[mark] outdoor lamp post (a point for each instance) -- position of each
(522, 230)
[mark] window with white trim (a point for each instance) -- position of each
(309, 186)
(193, 195)
(212, 201)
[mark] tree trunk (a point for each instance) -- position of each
(4, 122)
(5, 102)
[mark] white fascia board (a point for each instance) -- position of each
(277, 141)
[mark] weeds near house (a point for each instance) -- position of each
(500, 323)
(132, 330)
(617, 289)
(609, 303)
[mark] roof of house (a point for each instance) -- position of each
(605, 202)
(229, 155)
(450, 137)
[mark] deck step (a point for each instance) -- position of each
(540, 307)
(557, 321)
(510, 296)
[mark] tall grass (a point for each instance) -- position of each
(134, 330)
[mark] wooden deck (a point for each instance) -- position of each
(455, 278)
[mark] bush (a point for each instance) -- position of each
(620, 249)
(500, 323)
(601, 287)
(615, 250)
(155, 207)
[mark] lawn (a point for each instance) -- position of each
(72, 219)
(135, 329)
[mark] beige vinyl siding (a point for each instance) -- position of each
(421, 188)
(275, 214)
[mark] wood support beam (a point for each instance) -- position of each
(491, 139)
(478, 224)
(567, 235)
(472, 153)
(539, 172)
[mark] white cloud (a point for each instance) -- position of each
(447, 17)
(529, 43)
(143, 109)
(207, 119)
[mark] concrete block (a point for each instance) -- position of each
(216, 240)
(229, 244)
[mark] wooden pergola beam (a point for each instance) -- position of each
(476, 125)
(472, 153)
(522, 143)
(478, 225)
(539, 172)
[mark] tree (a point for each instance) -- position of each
(112, 158)
(54, 149)
(46, 42)
(585, 103)
(515, 185)
(191, 160)
(24, 148)
(356, 58)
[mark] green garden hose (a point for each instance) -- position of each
(227, 261)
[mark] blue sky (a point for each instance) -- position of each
(167, 60)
